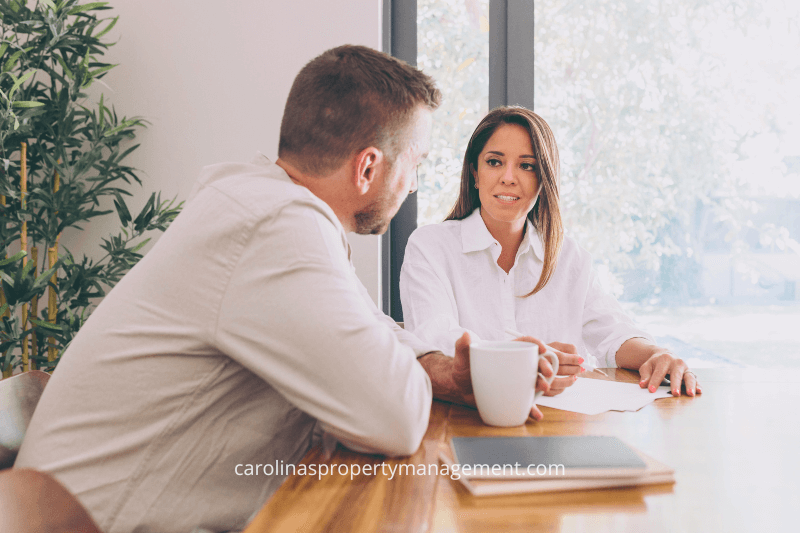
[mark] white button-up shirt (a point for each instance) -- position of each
(222, 349)
(450, 282)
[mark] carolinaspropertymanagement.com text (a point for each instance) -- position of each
(455, 471)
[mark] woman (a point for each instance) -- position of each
(501, 262)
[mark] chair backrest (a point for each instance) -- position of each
(18, 398)
(34, 502)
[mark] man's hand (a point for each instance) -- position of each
(450, 376)
(461, 373)
(451, 379)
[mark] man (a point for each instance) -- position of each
(245, 326)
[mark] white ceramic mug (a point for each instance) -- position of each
(504, 375)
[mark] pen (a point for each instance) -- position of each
(588, 364)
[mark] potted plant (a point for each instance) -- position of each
(60, 157)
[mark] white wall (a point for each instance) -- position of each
(212, 79)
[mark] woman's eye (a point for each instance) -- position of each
(493, 162)
(528, 166)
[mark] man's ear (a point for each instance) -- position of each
(367, 163)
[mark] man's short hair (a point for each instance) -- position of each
(348, 99)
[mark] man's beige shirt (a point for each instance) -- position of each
(241, 328)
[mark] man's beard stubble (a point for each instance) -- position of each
(373, 219)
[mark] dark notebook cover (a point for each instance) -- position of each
(581, 456)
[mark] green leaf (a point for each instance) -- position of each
(12, 60)
(102, 111)
(107, 28)
(97, 72)
(50, 4)
(17, 82)
(46, 325)
(140, 245)
(16, 257)
(3, 309)
(64, 66)
(8, 279)
(3, 49)
(124, 124)
(27, 269)
(45, 276)
(86, 7)
(26, 104)
(122, 210)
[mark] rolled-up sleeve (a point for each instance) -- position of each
(293, 314)
(429, 305)
(606, 325)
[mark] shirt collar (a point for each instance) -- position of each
(475, 236)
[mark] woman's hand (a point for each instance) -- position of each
(545, 369)
(569, 365)
(653, 371)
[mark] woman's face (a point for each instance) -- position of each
(506, 176)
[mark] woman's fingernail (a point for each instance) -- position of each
(580, 360)
(574, 378)
(691, 392)
(583, 369)
(652, 388)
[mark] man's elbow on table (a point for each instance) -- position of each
(407, 428)
(393, 427)
(408, 440)
(397, 439)
(407, 413)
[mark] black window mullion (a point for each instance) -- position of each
(402, 41)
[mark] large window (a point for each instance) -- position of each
(453, 48)
(678, 124)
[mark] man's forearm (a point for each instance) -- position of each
(445, 379)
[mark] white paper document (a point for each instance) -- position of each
(594, 396)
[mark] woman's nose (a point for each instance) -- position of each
(508, 176)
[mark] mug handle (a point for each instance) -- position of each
(553, 358)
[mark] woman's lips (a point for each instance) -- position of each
(507, 199)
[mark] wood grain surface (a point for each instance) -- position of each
(734, 450)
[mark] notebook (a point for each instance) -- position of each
(655, 473)
(545, 457)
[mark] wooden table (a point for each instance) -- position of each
(735, 450)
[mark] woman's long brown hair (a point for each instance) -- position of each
(546, 214)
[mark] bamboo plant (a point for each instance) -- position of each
(61, 160)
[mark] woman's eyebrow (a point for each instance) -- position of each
(501, 153)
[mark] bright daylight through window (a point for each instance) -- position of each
(678, 124)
